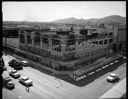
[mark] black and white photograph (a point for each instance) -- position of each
(63, 50)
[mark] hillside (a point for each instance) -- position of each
(113, 19)
(109, 20)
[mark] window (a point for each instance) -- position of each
(96, 42)
(29, 40)
(110, 40)
(22, 38)
(105, 41)
(36, 40)
(101, 42)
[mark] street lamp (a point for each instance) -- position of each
(54, 75)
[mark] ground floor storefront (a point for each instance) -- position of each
(51, 65)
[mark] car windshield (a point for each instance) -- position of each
(24, 61)
(10, 82)
(8, 78)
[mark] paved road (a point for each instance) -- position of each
(48, 87)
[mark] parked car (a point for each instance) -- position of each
(11, 63)
(124, 57)
(24, 63)
(7, 79)
(26, 81)
(14, 74)
(7, 82)
(15, 63)
(10, 85)
(14, 71)
(18, 67)
(112, 77)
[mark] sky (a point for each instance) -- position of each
(50, 11)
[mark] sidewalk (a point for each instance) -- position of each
(7, 94)
(116, 92)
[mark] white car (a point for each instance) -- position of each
(26, 81)
(14, 74)
(25, 63)
(112, 77)
(124, 57)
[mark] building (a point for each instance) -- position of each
(64, 50)
(121, 39)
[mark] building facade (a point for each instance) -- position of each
(121, 39)
(63, 50)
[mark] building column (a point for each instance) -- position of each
(25, 39)
(63, 46)
(32, 37)
(50, 44)
(41, 42)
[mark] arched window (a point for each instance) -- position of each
(29, 40)
(22, 38)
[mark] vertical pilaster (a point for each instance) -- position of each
(63, 46)
(41, 42)
(25, 35)
(32, 37)
(50, 44)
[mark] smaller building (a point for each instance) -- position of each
(121, 39)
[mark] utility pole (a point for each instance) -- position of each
(54, 75)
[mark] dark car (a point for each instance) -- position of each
(16, 64)
(7, 82)
(10, 85)
(18, 67)
(7, 79)
(11, 63)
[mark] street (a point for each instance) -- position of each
(49, 87)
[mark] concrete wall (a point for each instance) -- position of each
(13, 42)
(121, 35)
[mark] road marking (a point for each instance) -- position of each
(111, 63)
(104, 67)
(116, 61)
(91, 73)
(98, 70)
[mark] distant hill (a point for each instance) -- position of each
(113, 19)
(109, 20)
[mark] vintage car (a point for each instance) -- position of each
(26, 81)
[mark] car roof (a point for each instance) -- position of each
(14, 70)
(10, 82)
(29, 80)
(113, 74)
(7, 78)
(24, 77)
(17, 73)
(109, 77)
(25, 61)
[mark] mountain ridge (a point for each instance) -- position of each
(107, 19)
